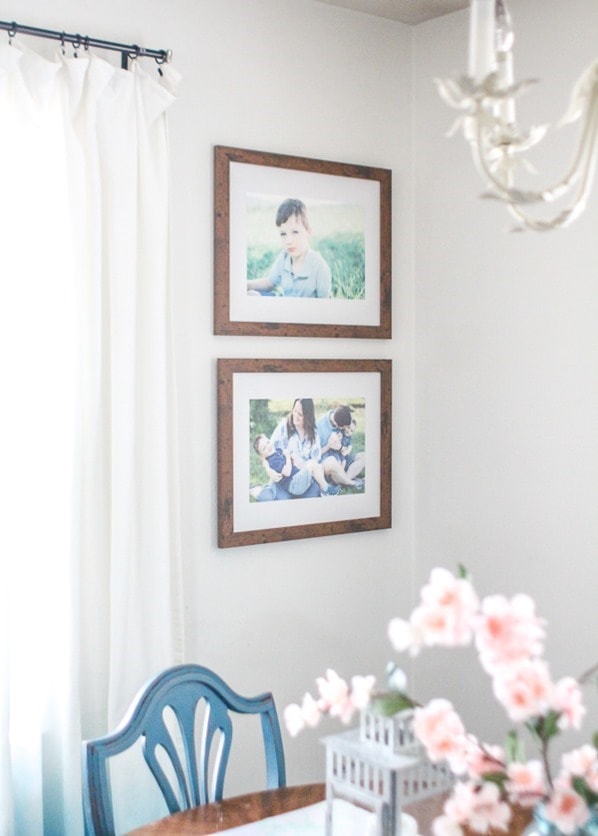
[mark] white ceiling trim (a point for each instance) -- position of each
(405, 11)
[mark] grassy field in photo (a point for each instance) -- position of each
(337, 234)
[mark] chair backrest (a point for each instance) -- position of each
(176, 693)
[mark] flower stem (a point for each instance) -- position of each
(585, 677)
(545, 761)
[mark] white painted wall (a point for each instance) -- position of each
(506, 358)
(296, 78)
(494, 350)
(306, 79)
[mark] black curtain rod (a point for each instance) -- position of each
(126, 50)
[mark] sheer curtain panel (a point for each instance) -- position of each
(90, 601)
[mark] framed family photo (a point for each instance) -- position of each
(302, 247)
(304, 448)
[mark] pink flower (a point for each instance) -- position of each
(445, 615)
(361, 690)
(335, 697)
(484, 759)
(443, 826)
(568, 699)
(508, 631)
(297, 717)
(526, 784)
(403, 636)
(438, 726)
(523, 689)
(581, 763)
(293, 719)
(332, 689)
(433, 624)
(310, 711)
(566, 809)
(479, 806)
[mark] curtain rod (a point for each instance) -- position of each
(126, 50)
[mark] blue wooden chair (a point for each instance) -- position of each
(194, 775)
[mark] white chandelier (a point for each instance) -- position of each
(486, 98)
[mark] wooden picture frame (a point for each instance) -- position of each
(348, 212)
(255, 398)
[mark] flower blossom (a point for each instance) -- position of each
(526, 783)
(405, 636)
(361, 690)
(439, 728)
(310, 711)
(293, 719)
(478, 806)
(566, 809)
(483, 759)
(508, 631)
(524, 689)
(335, 698)
(581, 763)
(568, 699)
(297, 717)
(444, 616)
(443, 826)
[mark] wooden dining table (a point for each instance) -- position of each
(244, 809)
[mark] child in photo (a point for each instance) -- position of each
(298, 271)
(345, 446)
(295, 480)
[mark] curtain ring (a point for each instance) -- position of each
(12, 32)
(86, 43)
(135, 54)
(62, 47)
(76, 45)
(160, 59)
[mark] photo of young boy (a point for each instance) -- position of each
(299, 270)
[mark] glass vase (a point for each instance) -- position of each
(540, 826)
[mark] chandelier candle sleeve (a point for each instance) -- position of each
(482, 50)
(504, 38)
(506, 108)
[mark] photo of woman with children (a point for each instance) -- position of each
(306, 449)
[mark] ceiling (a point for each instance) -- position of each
(406, 11)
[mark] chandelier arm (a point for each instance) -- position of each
(582, 171)
(577, 206)
(585, 147)
(587, 140)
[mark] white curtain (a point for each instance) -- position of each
(90, 599)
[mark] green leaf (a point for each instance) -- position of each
(514, 748)
(535, 729)
(391, 703)
(551, 724)
(595, 740)
(545, 727)
(498, 778)
(581, 788)
(463, 573)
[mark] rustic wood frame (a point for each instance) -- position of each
(226, 370)
(223, 325)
